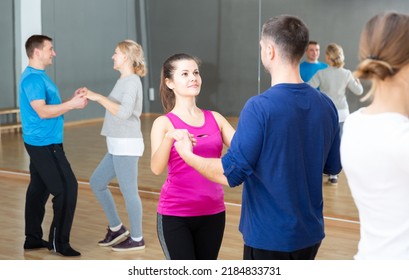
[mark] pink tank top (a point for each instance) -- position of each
(185, 192)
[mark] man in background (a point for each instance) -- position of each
(311, 65)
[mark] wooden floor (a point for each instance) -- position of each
(84, 148)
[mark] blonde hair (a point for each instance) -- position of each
(335, 54)
(383, 48)
(135, 54)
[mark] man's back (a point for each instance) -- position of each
(286, 137)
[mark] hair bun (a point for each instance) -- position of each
(374, 68)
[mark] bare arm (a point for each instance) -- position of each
(47, 111)
(225, 127)
(160, 145)
(163, 134)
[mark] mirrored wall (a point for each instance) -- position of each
(224, 34)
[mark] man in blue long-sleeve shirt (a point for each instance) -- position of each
(286, 138)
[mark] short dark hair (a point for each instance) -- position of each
(35, 42)
(290, 34)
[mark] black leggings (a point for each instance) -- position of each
(191, 238)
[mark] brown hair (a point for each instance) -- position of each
(383, 48)
(35, 42)
(290, 34)
(134, 52)
(335, 53)
(167, 95)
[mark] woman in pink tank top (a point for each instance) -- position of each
(191, 211)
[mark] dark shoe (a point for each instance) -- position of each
(333, 180)
(113, 237)
(67, 251)
(129, 245)
(35, 244)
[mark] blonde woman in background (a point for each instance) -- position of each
(375, 145)
(334, 81)
(122, 128)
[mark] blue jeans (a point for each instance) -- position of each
(125, 168)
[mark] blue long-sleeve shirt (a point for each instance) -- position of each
(285, 139)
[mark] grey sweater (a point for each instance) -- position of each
(127, 92)
(334, 82)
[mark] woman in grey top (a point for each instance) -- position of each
(122, 129)
(334, 81)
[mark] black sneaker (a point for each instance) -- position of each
(129, 245)
(333, 180)
(113, 237)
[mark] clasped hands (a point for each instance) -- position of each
(88, 94)
(81, 97)
(78, 100)
(184, 141)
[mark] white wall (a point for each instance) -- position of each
(27, 22)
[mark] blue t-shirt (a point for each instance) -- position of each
(36, 85)
(286, 138)
(308, 69)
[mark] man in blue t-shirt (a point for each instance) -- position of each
(286, 138)
(311, 65)
(42, 120)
